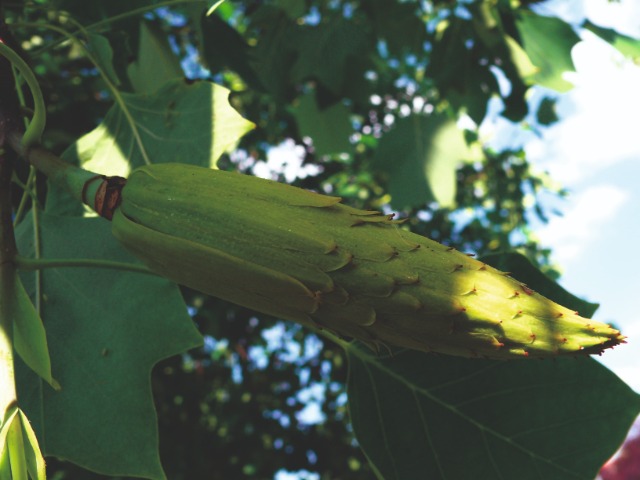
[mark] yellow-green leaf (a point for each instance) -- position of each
(548, 42)
(33, 455)
(29, 336)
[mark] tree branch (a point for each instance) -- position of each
(8, 247)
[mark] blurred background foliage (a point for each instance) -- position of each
(378, 102)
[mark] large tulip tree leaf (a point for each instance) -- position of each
(186, 122)
(441, 417)
(325, 51)
(106, 330)
(181, 122)
(422, 416)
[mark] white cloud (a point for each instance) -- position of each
(285, 159)
(622, 15)
(588, 213)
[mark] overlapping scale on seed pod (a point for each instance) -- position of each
(306, 257)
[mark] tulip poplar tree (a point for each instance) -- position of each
(108, 371)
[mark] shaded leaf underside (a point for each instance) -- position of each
(422, 416)
(103, 347)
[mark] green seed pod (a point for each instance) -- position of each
(306, 257)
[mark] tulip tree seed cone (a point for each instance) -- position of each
(306, 257)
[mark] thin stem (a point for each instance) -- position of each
(59, 172)
(37, 124)
(37, 264)
(37, 247)
(27, 194)
(334, 338)
(20, 94)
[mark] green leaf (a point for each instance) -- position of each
(190, 123)
(293, 8)
(520, 267)
(420, 156)
(15, 444)
(546, 114)
(329, 128)
(422, 416)
(224, 47)
(21, 330)
(182, 122)
(33, 455)
(156, 63)
(275, 52)
(5, 465)
(487, 23)
(449, 43)
(548, 42)
(103, 54)
(29, 338)
(8, 416)
(465, 51)
(628, 46)
(106, 330)
(519, 58)
(325, 51)
(399, 24)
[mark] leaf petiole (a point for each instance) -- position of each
(25, 263)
